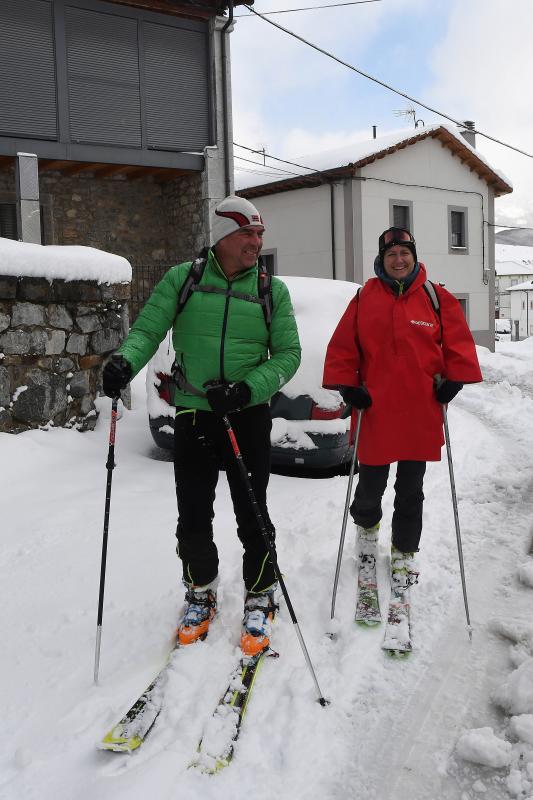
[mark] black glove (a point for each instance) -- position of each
(226, 397)
(357, 397)
(447, 390)
(116, 375)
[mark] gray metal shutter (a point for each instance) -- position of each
(8, 220)
(177, 88)
(103, 78)
(28, 105)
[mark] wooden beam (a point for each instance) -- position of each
(115, 169)
(76, 167)
(46, 166)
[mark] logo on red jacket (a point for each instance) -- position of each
(422, 322)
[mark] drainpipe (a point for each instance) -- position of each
(332, 218)
(227, 142)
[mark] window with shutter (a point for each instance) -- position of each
(8, 221)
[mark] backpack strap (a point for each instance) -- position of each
(431, 292)
(264, 292)
(196, 271)
(192, 280)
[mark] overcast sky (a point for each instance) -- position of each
(472, 59)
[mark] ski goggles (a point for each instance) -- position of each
(395, 236)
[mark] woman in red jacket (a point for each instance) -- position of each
(384, 357)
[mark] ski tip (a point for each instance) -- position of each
(119, 744)
(397, 654)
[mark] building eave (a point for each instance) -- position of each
(190, 9)
(464, 152)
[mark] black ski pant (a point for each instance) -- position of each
(201, 449)
(408, 502)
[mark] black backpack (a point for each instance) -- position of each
(192, 284)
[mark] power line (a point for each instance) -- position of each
(386, 85)
(312, 8)
(278, 169)
(511, 227)
(281, 160)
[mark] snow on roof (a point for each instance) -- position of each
(70, 262)
(521, 286)
(354, 153)
(518, 254)
(505, 268)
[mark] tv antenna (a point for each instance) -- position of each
(409, 112)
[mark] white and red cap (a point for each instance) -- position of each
(231, 214)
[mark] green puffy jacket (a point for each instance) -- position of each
(218, 337)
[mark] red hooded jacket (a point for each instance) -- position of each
(395, 345)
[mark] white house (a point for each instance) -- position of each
(521, 297)
(514, 265)
(326, 222)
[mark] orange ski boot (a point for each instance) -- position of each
(259, 612)
(200, 608)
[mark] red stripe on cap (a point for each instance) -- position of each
(236, 216)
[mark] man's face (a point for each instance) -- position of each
(398, 262)
(240, 250)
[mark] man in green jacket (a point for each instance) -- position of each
(230, 359)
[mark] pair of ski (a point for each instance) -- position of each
(215, 749)
(397, 640)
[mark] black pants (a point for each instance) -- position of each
(201, 449)
(407, 517)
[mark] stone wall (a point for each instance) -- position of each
(54, 337)
(145, 221)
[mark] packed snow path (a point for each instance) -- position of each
(391, 728)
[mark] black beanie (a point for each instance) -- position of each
(398, 238)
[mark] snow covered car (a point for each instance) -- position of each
(502, 330)
(310, 425)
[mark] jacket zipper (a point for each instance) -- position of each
(223, 337)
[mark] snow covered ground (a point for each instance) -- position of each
(454, 721)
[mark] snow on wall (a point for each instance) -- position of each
(67, 262)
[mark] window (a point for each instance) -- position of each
(8, 221)
(401, 214)
(463, 302)
(270, 259)
(457, 230)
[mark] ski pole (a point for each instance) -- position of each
(346, 508)
(271, 551)
(456, 517)
(110, 466)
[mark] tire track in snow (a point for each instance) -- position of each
(415, 736)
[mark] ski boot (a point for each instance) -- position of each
(259, 611)
(403, 571)
(200, 608)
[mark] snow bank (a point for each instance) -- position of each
(482, 746)
(522, 727)
(69, 263)
(525, 573)
(515, 695)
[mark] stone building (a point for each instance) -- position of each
(126, 106)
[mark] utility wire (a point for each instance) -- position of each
(312, 8)
(278, 169)
(281, 160)
(386, 85)
(512, 227)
